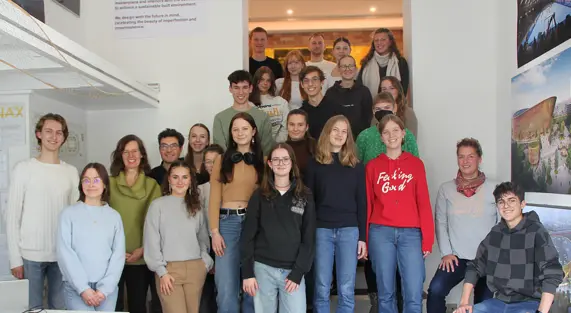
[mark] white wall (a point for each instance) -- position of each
(191, 70)
(462, 55)
(61, 19)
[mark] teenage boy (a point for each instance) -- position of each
(241, 88)
(319, 108)
(170, 147)
(258, 44)
(518, 259)
(39, 189)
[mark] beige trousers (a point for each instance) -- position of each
(189, 278)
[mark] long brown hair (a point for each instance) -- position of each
(102, 173)
(311, 142)
(192, 198)
(267, 186)
(347, 155)
(256, 95)
(189, 157)
(286, 88)
(394, 49)
(400, 101)
(117, 165)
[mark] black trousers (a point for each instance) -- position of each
(137, 279)
(208, 297)
(371, 279)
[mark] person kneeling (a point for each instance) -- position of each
(518, 259)
(278, 238)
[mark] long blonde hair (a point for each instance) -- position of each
(347, 155)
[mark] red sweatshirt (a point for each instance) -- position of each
(397, 195)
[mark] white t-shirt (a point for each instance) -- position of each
(277, 109)
(326, 66)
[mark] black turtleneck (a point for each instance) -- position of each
(339, 193)
(302, 150)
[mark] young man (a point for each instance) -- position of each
(518, 259)
(240, 88)
(39, 189)
(317, 48)
(170, 147)
(258, 44)
(319, 108)
(353, 96)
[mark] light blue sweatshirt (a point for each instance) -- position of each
(91, 247)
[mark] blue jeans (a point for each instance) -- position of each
(36, 273)
(341, 244)
(74, 302)
(495, 305)
(443, 282)
(227, 274)
(271, 284)
(387, 247)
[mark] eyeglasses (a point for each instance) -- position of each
(88, 181)
(284, 161)
(347, 67)
(511, 202)
(314, 80)
(164, 146)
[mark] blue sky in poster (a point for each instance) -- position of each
(549, 78)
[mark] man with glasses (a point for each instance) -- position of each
(170, 146)
(353, 96)
(39, 189)
(319, 108)
(518, 259)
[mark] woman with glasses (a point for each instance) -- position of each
(352, 95)
(289, 87)
(383, 59)
(91, 245)
(393, 86)
(198, 140)
(235, 176)
(337, 180)
(176, 242)
(264, 97)
(277, 241)
(131, 193)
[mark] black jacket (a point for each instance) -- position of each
(279, 232)
(319, 115)
(357, 102)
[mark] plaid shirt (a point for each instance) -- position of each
(519, 263)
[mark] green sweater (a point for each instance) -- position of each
(132, 204)
(222, 123)
(370, 145)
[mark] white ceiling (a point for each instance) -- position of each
(319, 9)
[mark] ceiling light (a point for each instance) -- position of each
(372, 9)
(289, 12)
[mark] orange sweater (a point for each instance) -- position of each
(243, 184)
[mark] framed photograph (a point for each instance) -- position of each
(74, 6)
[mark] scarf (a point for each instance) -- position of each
(468, 187)
(371, 76)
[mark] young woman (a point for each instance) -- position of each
(399, 216)
(264, 97)
(131, 193)
(235, 176)
(298, 138)
(341, 49)
(208, 298)
(180, 265)
(337, 180)
(383, 59)
(369, 142)
(393, 86)
(289, 87)
(277, 242)
(465, 213)
(352, 95)
(198, 140)
(91, 245)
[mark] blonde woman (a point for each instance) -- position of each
(337, 180)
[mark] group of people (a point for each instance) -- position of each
(275, 209)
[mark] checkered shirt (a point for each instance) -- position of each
(520, 263)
